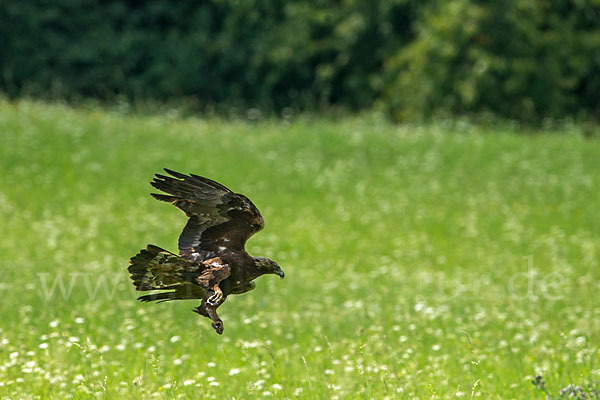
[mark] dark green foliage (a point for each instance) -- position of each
(244, 52)
(525, 59)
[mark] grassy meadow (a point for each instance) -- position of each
(435, 261)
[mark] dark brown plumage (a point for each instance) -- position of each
(212, 261)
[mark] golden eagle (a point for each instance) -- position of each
(212, 261)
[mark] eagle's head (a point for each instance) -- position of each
(268, 266)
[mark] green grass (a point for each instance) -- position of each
(434, 261)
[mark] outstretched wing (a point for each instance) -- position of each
(220, 221)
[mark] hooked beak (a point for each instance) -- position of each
(281, 274)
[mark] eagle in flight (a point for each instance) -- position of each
(212, 261)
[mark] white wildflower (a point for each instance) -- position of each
(250, 345)
(175, 339)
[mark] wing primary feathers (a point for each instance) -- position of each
(175, 173)
(164, 197)
(189, 187)
(196, 179)
(210, 182)
(174, 187)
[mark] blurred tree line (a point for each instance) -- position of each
(524, 59)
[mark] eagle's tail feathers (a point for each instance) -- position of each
(187, 291)
(154, 268)
(159, 297)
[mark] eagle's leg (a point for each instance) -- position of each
(201, 309)
(210, 311)
(216, 297)
(210, 278)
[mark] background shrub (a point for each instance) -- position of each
(522, 59)
(525, 59)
